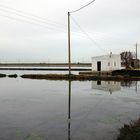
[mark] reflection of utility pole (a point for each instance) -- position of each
(136, 86)
(69, 44)
(69, 110)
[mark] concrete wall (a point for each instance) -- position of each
(108, 62)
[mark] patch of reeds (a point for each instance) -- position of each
(96, 73)
(2, 75)
(126, 72)
(130, 131)
(13, 76)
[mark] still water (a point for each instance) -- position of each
(65, 110)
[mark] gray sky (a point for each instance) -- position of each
(36, 30)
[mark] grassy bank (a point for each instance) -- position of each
(130, 131)
(79, 77)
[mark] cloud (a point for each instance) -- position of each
(110, 24)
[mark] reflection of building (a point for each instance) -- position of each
(106, 62)
(109, 86)
(128, 83)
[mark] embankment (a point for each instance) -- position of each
(125, 72)
(79, 77)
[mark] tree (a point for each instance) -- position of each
(127, 58)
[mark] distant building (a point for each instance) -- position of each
(135, 63)
(106, 62)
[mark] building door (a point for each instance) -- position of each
(99, 66)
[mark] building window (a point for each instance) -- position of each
(108, 63)
(114, 63)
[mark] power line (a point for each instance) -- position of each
(35, 22)
(82, 7)
(26, 21)
(38, 19)
(32, 15)
(87, 35)
(33, 19)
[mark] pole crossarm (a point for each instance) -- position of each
(82, 7)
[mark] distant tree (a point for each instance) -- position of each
(127, 58)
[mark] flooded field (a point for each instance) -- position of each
(65, 110)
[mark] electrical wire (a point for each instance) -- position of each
(36, 20)
(41, 23)
(82, 7)
(32, 15)
(30, 22)
(87, 35)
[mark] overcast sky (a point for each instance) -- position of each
(36, 30)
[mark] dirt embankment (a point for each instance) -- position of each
(78, 77)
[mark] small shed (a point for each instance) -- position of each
(106, 62)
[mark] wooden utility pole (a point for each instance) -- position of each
(69, 51)
(136, 51)
(69, 45)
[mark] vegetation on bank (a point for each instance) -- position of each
(79, 77)
(2, 75)
(10, 76)
(126, 72)
(130, 131)
(13, 76)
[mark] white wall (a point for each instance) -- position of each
(108, 62)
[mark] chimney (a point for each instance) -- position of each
(110, 54)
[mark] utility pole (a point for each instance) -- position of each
(69, 36)
(69, 50)
(136, 52)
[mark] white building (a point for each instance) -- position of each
(106, 62)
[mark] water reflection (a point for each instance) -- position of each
(128, 83)
(50, 110)
(69, 111)
(109, 86)
(112, 86)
